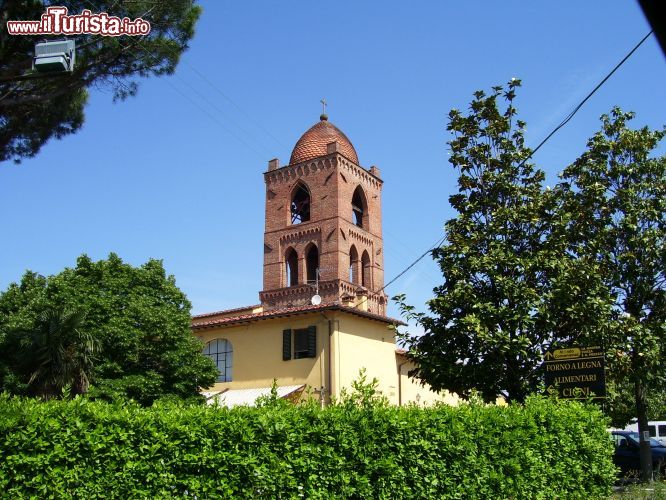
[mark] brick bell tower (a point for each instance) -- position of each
(323, 226)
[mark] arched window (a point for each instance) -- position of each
(359, 208)
(312, 264)
(221, 352)
(300, 204)
(366, 270)
(353, 265)
(291, 261)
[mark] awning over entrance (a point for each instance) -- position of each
(237, 397)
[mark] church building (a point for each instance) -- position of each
(321, 316)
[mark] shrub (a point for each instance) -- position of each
(80, 448)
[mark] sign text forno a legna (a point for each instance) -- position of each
(575, 373)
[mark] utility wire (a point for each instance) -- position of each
(571, 115)
(230, 100)
(441, 240)
(562, 124)
(258, 124)
(433, 247)
(214, 118)
(223, 113)
(260, 143)
(201, 108)
(204, 98)
(401, 252)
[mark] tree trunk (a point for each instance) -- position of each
(644, 436)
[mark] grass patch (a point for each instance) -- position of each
(654, 491)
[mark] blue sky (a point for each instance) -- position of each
(176, 172)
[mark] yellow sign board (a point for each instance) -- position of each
(571, 353)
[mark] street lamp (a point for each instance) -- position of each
(54, 56)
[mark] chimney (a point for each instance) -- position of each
(375, 171)
(273, 164)
(362, 298)
(347, 299)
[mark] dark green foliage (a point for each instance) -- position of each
(139, 317)
(616, 195)
(56, 354)
(527, 268)
(620, 402)
(89, 449)
(510, 291)
(614, 198)
(34, 110)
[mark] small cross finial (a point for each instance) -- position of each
(323, 116)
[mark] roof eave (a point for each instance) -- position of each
(248, 319)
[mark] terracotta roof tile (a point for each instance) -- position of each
(198, 323)
(225, 311)
(312, 143)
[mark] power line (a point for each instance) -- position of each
(207, 80)
(221, 112)
(436, 245)
(230, 100)
(571, 115)
(214, 118)
(214, 106)
(441, 240)
(174, 52)
(399, 252)
(201, 108)
(562, 124)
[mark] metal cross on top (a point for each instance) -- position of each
(323, 106)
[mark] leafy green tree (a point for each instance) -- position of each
(137, 314)
(509, 290)
(34, 108)
(615, 195)
(620, 404)
(55, 355)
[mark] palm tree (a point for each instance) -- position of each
(58, 354)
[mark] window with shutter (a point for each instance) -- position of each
(305, 343)
(286, 345)
(312, 341)
(301, 343)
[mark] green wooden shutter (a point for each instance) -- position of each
(312, 341)
(286, 345)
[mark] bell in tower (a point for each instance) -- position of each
(323, 231)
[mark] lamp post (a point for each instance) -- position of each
(54, 56)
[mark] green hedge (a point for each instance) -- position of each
(87, 449)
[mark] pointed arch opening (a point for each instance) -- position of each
(359, 208)
(300, 204)
(353, 265)
(291, 265)
(312, 263)
(366, 270)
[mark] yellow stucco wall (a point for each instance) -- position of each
(413, 392)
(257, 353)
(359, 343)
(355, 343)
